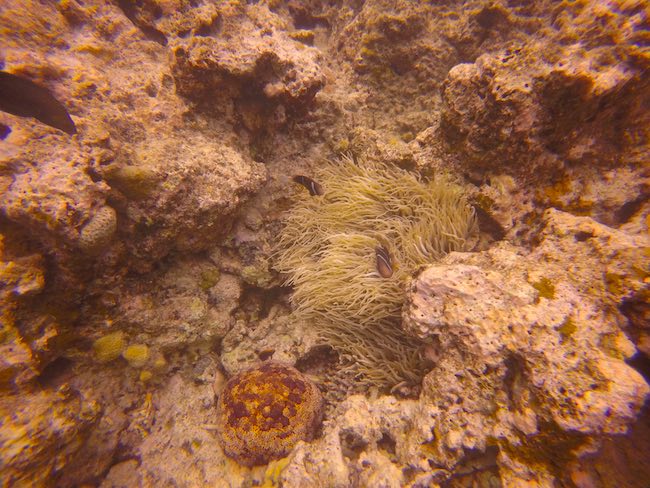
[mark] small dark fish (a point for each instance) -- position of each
(23, 97)
(265, 354)
(488, 224)
(384, 266)
(313, 187)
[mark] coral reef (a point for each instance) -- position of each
(328, 249)
(156, 224)
(168, 184)
(263, 412)
(580, 383)
(543, 111)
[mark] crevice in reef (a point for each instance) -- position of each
(319, 360)
(641, 362)
(5, 130)
(304, 18)
(477, 468)
(55, 373)
(260, 301)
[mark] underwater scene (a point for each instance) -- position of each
(324, 244)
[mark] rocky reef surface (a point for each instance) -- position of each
(137, 256)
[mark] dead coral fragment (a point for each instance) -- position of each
(328, 250)
(23, 276)
(263, 412)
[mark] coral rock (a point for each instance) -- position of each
(529, 110)
(41, 434)
(283, 70)
(26, 340)
(205, 182)
(539, 369)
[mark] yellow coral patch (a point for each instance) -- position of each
(615, 283)
(109, 347)
(273, 472)
(136, 354)
(145, 376)
(567, 328)
(546, 288)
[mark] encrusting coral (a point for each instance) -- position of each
(99, 231)
(329, 249)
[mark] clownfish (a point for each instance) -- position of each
(384, 265)
(313, 187)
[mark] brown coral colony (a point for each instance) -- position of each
(263, 412)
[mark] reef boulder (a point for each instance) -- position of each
(528, 348)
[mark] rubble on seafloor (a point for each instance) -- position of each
(137, 265)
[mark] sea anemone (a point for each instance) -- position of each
(332, 249)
